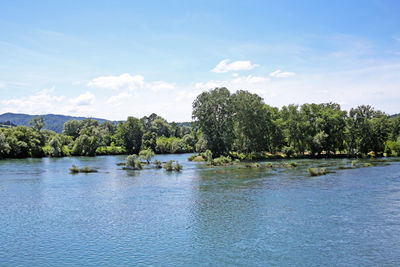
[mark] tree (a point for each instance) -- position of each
(4, 146)
(149, 140)
(72, 128)
(55, 147)
(37, 123)
(147, 155)
(214, 112)
(129, 134)
(252, 122)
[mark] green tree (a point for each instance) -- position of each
(129, 134)
(147, 155)
(252, 122)
(72, 128)
(4, 146)
(55, 147)
(214, 112)
(37, 123)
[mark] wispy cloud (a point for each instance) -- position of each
(123, 81)
(225, 66)
(281, 74)
(85, 99)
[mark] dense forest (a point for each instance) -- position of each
(238, 125)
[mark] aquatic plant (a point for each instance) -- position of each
(86, 169)
(133, 162)
(367, 164)
(157, 164)
(317, 172)
(172, 165)
(74, 169)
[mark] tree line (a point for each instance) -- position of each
(88, 137)
(243, 123)
(237, 125)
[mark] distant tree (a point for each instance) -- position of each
(4, 146)
(149, 140)
(37, 123)
(55, 147)
(147, 155)
(129, 134)
(72, 128)
(214, 110)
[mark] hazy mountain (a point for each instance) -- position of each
(51, 121)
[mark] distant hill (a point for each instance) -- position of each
(51, 121)
(395, 115)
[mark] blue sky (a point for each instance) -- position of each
(112, 59)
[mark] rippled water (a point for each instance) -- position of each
(201, 216)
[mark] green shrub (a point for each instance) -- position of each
(157, 164)
(147, 155)
(317, 172)
(288, 151)
(74, 169)
(86, 169)
(367, 164)
(221, 161)
(172, 166)
(133, 162)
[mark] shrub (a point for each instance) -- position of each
(367, 164)
(221, 161)
(74, 169)
(132, 162)
(86, 169)
(288, 151)
(146, 154)
(354, 162)
(317, 172)
(158, 164)
(172, 166)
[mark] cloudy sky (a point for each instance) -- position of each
(112, 59)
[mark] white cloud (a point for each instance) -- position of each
(160, 85)
(251, 79)
(85, 99)
(117, 99)
(225, 66)
(123, 81)
(130, 82)
(281, 74)
(44, 102)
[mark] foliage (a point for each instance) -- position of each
(147, 155)
(317, 172)
(133, 162)
(129, 134)
(157, 164)
(172, 165)
(214, 111)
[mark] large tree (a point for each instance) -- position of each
(214, 111)
(129, 134)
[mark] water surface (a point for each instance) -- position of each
(201, 216)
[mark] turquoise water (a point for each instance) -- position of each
(199, 217)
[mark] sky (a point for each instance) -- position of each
(113, 59)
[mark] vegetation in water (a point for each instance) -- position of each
(133, 162)
(173, 165)
(74, 169)
(317, 171)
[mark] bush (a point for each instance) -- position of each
(173, 166)
(317, 172)
(132, 162)
(146, 154)
(288, 151)
(74, 169)
(86, 169)
(157, 164)
(221, 161)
